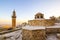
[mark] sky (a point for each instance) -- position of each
(26, 9)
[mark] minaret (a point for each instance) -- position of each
(14, 19)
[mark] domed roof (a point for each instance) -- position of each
(38, 13)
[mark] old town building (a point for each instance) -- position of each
(38, 28)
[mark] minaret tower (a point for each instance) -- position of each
(14, 19)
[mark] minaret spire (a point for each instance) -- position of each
(14, 14)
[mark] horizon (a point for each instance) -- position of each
(26, 9)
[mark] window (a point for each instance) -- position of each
(41, 16)
(37, 16)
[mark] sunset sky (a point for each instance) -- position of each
(26, 9)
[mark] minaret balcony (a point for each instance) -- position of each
(13, 16)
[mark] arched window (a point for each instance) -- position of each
(41, 16)
(37, 16)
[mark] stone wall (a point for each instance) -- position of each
(52, 30)
(33, 34)
(46, 22)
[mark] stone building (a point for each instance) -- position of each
(41, 21)
(38, 28)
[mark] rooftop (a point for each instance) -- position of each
(33, 28)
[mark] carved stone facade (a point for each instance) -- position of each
(43, 22)
(33, 34)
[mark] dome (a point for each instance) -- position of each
(38, 13)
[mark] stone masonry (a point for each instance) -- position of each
(43, 22)
(38, 34)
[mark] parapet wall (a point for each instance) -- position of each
(33, 34)
(52, 30)
(46, 22)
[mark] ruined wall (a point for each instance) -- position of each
(46, 22)
(33, 34)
